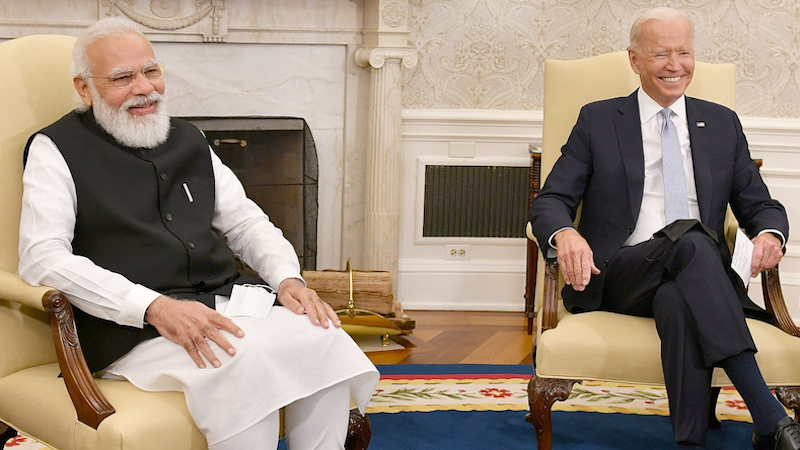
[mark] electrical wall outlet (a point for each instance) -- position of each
(457, 252)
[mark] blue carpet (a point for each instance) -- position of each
(489, 430)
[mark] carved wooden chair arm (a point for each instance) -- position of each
(549, 310)
(90, 404)
(775, 303)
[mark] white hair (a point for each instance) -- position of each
(81, 63)
(111, 26)
(660, 13)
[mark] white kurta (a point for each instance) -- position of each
(283, 356)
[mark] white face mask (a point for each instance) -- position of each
(130, 130)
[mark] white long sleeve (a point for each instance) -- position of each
(47, 223)
(248, 230)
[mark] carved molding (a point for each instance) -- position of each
(542, 393)
(376, 57)
(91, 406)
(59, 308)
(790, 397)
(359, 431)
(394, 14)
(165, 9)
(161, 15)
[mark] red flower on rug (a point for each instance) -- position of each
(496, 393)
(737, 404)
(15, 441)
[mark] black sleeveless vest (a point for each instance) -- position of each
(145, 214)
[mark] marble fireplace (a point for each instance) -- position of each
(334, 63)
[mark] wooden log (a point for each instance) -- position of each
(372, 290)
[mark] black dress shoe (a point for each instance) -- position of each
(785, 437)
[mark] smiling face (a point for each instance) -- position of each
(134, 113)
(118, 53)
(664, 59)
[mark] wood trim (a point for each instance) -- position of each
(532, 259)
(90, 404)
(790, 397)
(775, 303)
(550, 296)
(359, 431)
(542, 393)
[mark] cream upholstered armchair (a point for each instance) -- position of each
(73, 412)
(605, 346)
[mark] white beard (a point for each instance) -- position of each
(130, 130)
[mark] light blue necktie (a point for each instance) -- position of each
(676, 199)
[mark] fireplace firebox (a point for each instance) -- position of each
(276, 161)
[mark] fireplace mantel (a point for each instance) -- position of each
(281, 58)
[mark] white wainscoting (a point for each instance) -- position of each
(492, 278)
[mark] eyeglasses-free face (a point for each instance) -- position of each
(125, 77)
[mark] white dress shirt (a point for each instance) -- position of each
(47, 223)
(651, 215)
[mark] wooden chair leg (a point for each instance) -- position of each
(713, 422)
(790, 397)
(6, 433)
(359, 431)
(542, 393)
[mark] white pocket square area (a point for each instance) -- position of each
(247, 300)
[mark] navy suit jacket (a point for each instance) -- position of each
(602, 167)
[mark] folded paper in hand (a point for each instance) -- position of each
(248, 300)
(742, 256)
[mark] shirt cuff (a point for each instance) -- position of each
(551, 242)
(281, 274)
(777, 233)
(136, 303)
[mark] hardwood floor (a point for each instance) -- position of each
(461, 337)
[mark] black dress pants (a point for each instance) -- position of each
(699, 318)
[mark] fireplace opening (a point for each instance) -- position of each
(276, 161)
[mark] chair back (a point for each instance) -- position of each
(38, 91)
(568, 85)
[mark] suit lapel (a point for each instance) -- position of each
(701, 144)
(629, 134)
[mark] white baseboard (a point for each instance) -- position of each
(464, 290)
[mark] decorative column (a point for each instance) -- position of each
(385, 50)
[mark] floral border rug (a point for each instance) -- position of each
(509, 392)
(422, 392)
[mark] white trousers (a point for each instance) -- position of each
(316, 422)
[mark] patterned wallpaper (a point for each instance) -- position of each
(489, 54)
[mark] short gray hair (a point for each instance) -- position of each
(111, 26)
(661, 13)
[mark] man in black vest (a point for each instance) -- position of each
(649, 242)
(130, 214)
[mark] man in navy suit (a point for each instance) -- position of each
(635, 253)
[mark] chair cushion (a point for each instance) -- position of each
(36, 402)
(615, 347)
